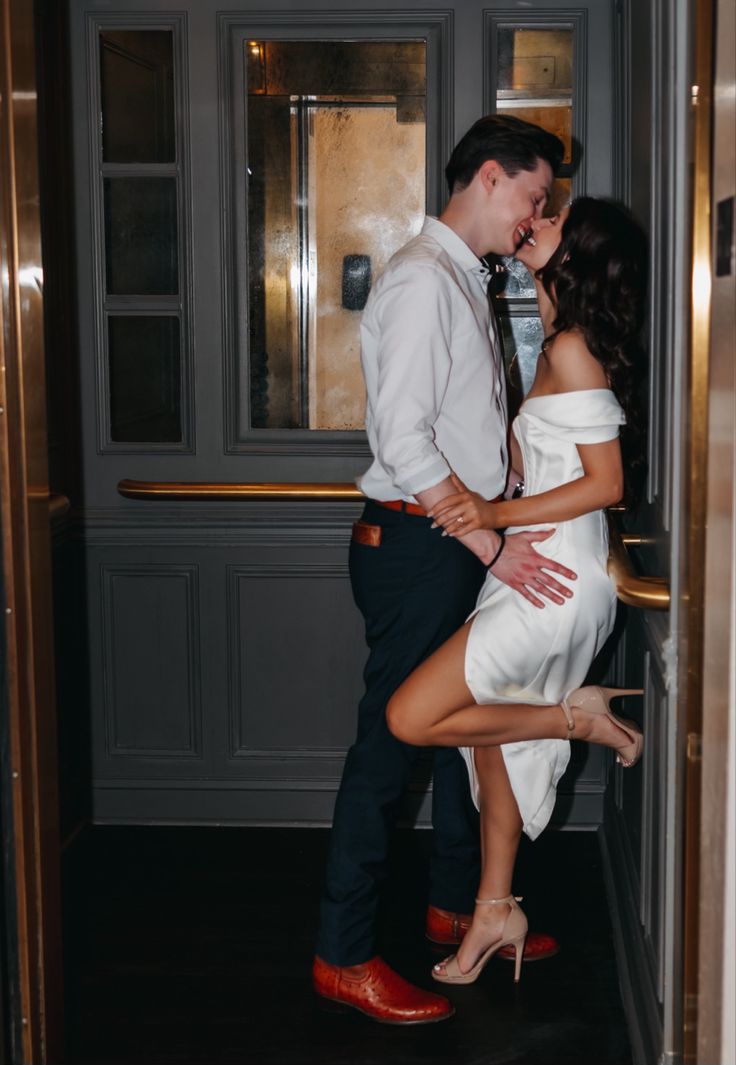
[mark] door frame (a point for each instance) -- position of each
(31, 853)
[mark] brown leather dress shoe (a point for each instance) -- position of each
(379, 992)
(447, 929)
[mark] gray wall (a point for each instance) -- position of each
(213, 652)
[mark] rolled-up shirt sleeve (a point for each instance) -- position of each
(413, 316)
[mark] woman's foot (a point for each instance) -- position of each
(485, 928)
(495, 922)
(589, 717)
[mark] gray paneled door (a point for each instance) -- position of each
(643, 825)
(241, 172)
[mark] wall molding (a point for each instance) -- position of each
(238, 802)
(637, 967)
(209, 525)
(189, 575)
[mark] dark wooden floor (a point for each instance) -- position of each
(193, 946)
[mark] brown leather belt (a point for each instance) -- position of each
(401, 505)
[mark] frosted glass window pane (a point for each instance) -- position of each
(137, 86)
(519, 283)
(522, 342)
(144, 376)
(535, 69)
(141, 236)
(336, 184)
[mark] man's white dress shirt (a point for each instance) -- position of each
(436, 398)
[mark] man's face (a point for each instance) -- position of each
(513, 204)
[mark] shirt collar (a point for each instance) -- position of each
(455, 247)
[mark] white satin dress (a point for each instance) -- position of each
(517, 653)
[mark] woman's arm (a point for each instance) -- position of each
(568, 366)
(600, 486)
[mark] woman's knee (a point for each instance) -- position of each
(402, 723)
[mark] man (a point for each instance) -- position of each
(436, 406)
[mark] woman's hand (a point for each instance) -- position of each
(462, 512)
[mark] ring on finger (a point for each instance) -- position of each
(461, 520)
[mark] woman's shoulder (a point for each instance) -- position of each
(571, 364)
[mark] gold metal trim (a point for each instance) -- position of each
(58, 506)
(33, 905)
(214, 491)
(691, 648)
(645, 593)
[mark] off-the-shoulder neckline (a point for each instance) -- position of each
(573, 392)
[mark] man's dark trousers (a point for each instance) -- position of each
(414, 591)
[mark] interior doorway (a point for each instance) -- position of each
(155, 718)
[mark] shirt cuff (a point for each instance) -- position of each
(423, 479)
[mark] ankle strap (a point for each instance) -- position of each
(511, 899)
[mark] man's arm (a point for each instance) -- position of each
(412, 321)
(482, 542)
(413, 317)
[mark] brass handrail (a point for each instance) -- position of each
(59, 505)
(646, 593)
(212, 491)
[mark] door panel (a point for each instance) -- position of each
(225, 652)
(643, 838)
(151, 657)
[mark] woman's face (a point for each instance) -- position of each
(546, 234)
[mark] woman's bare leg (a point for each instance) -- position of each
(500, 833)
(435, 708)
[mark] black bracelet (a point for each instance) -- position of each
(497, 555)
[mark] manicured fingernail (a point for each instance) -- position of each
(444, 532)
(434, 523)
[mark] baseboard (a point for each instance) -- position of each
(232, 803)
(634, 958)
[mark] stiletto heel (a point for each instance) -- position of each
(514, 932)
(596, 700)
(518, 958)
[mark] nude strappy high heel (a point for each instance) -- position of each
(596, 700)
(514, 931)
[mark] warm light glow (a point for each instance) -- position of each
(300, 275)
(701, 284)
(31, 276)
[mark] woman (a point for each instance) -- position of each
(509, 676)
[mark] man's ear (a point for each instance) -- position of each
(489, 173)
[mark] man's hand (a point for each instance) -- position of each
(524, 570)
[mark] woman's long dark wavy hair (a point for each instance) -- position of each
(597, 280)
